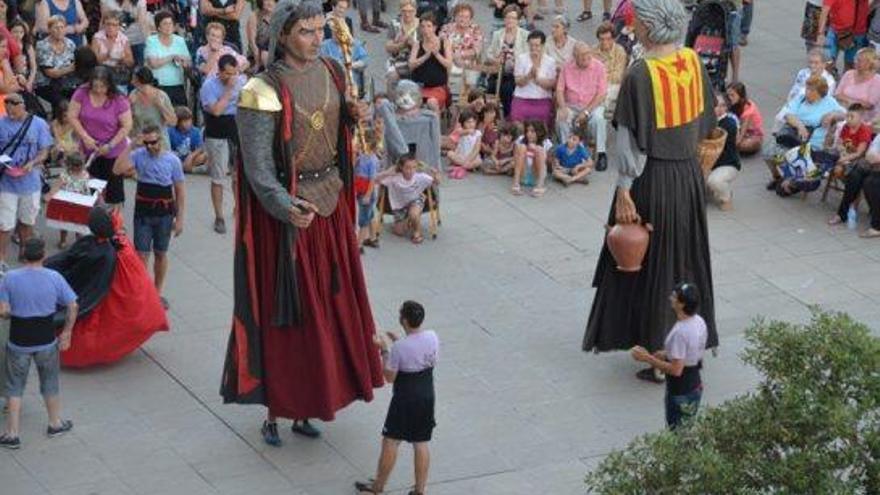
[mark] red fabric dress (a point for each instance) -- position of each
(327, 360)
(126, 317)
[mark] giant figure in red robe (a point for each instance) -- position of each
(301, 340)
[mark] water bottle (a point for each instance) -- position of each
(852, 218)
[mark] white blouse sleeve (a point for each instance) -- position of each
(630, 161)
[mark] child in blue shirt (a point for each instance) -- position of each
(186, 142)
(573, 162)
(365, 170)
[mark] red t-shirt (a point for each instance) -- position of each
(842, 15)
(851, 139)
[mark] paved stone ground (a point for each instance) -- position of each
(520, 408)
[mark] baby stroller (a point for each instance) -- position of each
(708, 36)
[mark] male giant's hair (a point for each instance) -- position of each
(665, 20)
(285, 15)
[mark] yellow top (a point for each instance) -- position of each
(257, 94)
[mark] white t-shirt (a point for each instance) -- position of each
(467, 142)
(415, 352)
(687, 340)
(532, 91)
(402, 192)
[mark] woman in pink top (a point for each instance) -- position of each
(101, 118)
(209, 54)
(861, 85)
(750, 136)
(112, 48)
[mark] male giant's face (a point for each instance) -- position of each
(303, 41)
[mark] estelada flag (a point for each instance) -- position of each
(677, 83)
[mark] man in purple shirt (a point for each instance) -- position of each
(580, 95)
(24, 145)
(160, 200)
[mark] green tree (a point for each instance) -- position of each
(812, 426)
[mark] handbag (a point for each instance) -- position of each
(14, 143)
(788, 137)
(847, 38)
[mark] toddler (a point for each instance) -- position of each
(74, 179)
(366, 168)
(467, 152)
(500, 161)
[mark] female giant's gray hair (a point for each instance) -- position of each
(665, 20)
(285, 15)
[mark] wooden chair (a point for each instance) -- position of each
(432, 209)
(834, 181)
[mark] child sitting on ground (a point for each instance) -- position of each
(466, 156)
(186, 142)
(74, 179)
(365, 170)
(530, 159)
(405, 193)
(573, 162)
(476, 101)
(500, 160)
(489, 126)
(63, 135)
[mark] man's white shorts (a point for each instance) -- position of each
(23, 208)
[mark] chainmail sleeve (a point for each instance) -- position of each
(256, 130)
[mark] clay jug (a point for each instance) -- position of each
(628, 244)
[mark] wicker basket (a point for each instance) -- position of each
(710, 149)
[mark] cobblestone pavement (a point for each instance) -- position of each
(520, 408)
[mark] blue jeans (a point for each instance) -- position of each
(152, 233)
(734, 28)
(680, 408)
(849, 55)
(748, 10)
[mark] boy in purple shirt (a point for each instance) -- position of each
(410, 366)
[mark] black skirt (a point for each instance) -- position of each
(633, 308)
(411, 412)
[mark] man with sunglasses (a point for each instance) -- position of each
(159, 202)
(24, 145)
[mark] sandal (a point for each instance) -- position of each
(870, 234)
(417, 239)
(516, 190)
(373, 243)
(538, 192)
(365, 487)
(585, 16)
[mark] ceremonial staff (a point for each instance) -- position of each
(346, 43)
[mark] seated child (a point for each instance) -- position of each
(476, 101)
(186, 142)
(405, 193)
(489, 126)
(500, 160)
(530, 159)
(467, 152)
(573, 162)
(75, 179)
(365, 170)
(720, 179)
(62, 133)
(852, 144)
